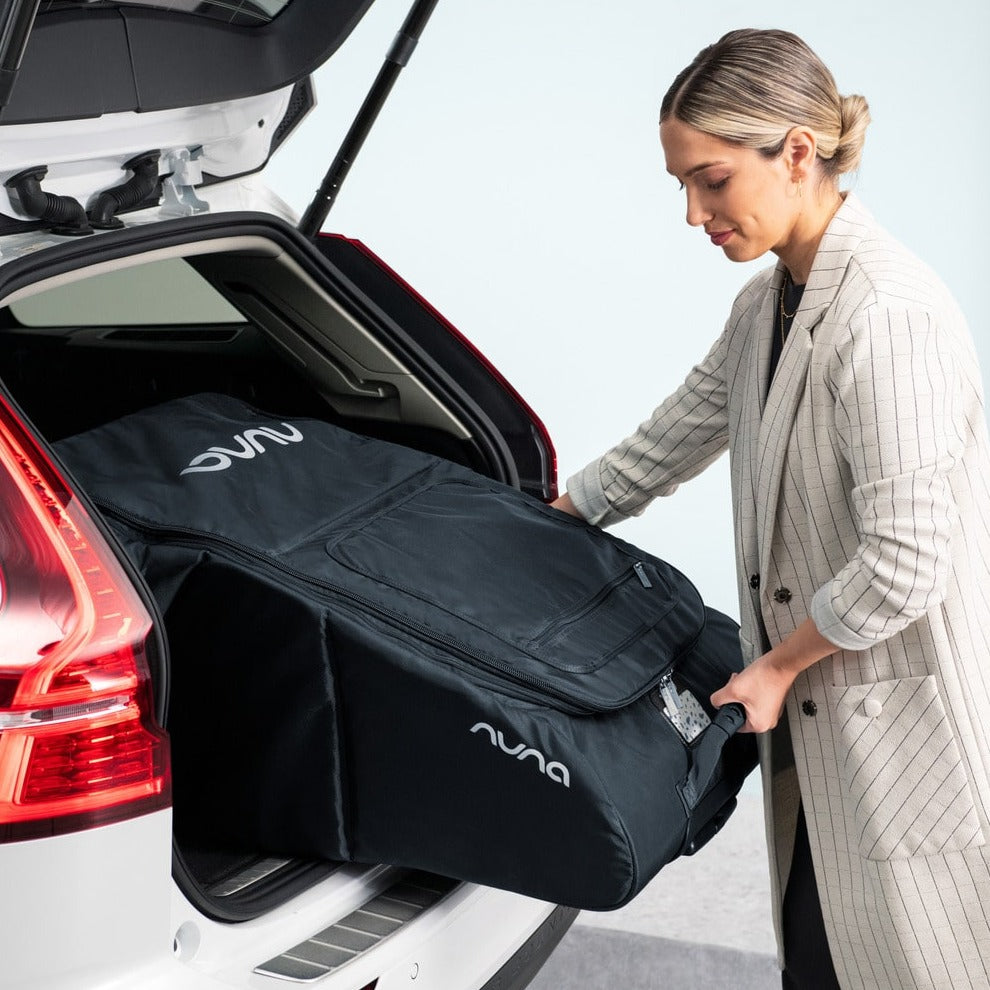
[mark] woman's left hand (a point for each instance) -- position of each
(761, 689)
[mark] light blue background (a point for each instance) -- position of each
(515, 179)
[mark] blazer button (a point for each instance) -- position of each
(782, 596)
(754, 581)
(809, 707)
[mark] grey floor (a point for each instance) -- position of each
(589, 958)
(702, 923)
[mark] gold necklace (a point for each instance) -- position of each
(783, 312)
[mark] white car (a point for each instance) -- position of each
(141, 259)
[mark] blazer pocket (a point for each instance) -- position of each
(901, 766)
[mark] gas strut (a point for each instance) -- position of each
(397, 58)
(16, 21)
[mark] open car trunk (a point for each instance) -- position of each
(244, 306)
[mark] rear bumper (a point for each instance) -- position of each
(534, 952)
(475, 938)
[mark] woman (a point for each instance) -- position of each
(846, 388)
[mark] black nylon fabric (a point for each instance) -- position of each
(382, 656)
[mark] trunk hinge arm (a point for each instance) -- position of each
(183, 174)
(397, 58)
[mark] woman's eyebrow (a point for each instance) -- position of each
(701, 167)
(694, 168)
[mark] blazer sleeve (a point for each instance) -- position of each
(684, 435)
(898, 386)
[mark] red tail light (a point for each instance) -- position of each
(79, 744)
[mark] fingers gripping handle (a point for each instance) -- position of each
(728, 720)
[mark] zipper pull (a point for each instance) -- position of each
(670, 696)
(644, 578)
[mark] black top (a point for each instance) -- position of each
(782, 321)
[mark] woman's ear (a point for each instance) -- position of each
(800, 151)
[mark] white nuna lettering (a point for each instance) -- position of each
(557, 772)
(248, 444)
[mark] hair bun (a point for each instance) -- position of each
(854, 114)
(752, 87)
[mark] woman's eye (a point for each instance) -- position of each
(715, 186)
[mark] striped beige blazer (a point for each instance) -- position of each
(861, 487)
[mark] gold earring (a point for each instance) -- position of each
(800, 188)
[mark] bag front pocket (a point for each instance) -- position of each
(902, 768)
(521, 588)
(501, 564)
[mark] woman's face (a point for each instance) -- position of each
(746, 203)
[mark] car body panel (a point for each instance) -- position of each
(88, 908)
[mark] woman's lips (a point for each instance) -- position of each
(720, 237)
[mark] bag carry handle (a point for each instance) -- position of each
(729, 719)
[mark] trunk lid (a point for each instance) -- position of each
(142, 103)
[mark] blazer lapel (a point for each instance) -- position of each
(754, 390)
(786, 392)
(764, 338)
(841, 238)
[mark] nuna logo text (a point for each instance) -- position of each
(249, 444)
(555, 771)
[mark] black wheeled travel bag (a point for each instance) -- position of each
(377, 655)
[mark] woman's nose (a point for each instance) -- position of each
(697, 213)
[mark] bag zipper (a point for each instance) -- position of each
(558, 626)
(194, 537)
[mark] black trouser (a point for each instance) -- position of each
(807, 960)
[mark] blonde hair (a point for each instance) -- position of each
(751, 87)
